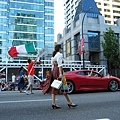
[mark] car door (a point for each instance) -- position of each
(79, 80)
(94, 82)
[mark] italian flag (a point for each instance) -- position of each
(25, 49)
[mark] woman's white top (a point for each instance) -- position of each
(59, 58)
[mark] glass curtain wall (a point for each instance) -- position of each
(49, 28)
(3, 29)
(24, 21)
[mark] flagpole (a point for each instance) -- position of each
(83, 37)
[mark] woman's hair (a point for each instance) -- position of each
(54, 53)
(57, 48)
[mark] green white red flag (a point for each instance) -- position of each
(25, 49)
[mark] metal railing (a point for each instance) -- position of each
(71, 65)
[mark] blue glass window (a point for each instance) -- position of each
(49, 17)
(40, 15)
(40, 23)
(40, 36)
(27, 6)
(49, 10)
(49, 45)
(15, 35)
(49, 4)
(3, 36)
(3, 28)
(3, 13)
(40, 29)
(49, 38)
(40, 45)
(3, 20)
(49, 24)
(3, 6)
(49, 31)
(94, 41)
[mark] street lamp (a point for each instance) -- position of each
(83, 36)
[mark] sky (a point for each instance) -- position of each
(59, 17)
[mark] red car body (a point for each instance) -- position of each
(80, 80)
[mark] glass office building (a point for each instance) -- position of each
(24, 21)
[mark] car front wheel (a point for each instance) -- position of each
(71, 86)
(113, 85)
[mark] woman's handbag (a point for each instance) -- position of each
(56, 84)
(64, 87)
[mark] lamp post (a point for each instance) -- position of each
(83, 36)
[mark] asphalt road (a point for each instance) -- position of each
(91, 106)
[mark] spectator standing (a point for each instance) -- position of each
(13, 81)
(40, 76)
(21, 79)
(25, 80)
(31, 72)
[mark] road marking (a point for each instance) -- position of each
(103, 119)
(43, 100)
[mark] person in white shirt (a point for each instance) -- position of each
(13, 81)
(57, 72)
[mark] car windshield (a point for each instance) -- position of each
(95, 74)
(87, 73)
(81, 73)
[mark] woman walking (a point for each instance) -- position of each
(57, 72)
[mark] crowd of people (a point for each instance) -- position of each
(5, 86)
(18, 82)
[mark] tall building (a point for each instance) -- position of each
(83, 40)
(110, 9)
(70, 7)
(24, 21)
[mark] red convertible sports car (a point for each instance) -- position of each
(81, 80)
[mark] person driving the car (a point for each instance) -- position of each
(91, 73)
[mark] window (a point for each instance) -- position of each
(49, 17)
(99, 3)
(81, 73)
(68, 46)
(49, 10)
(94, 41)
(49, 4)
(108, 16)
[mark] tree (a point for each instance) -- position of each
(111, 47)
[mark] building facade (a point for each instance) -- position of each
(70, 7)
(110, 9)
(24, 21)
(92, 32)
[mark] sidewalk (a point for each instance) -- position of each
(34, 91)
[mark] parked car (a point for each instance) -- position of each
(80, 80)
